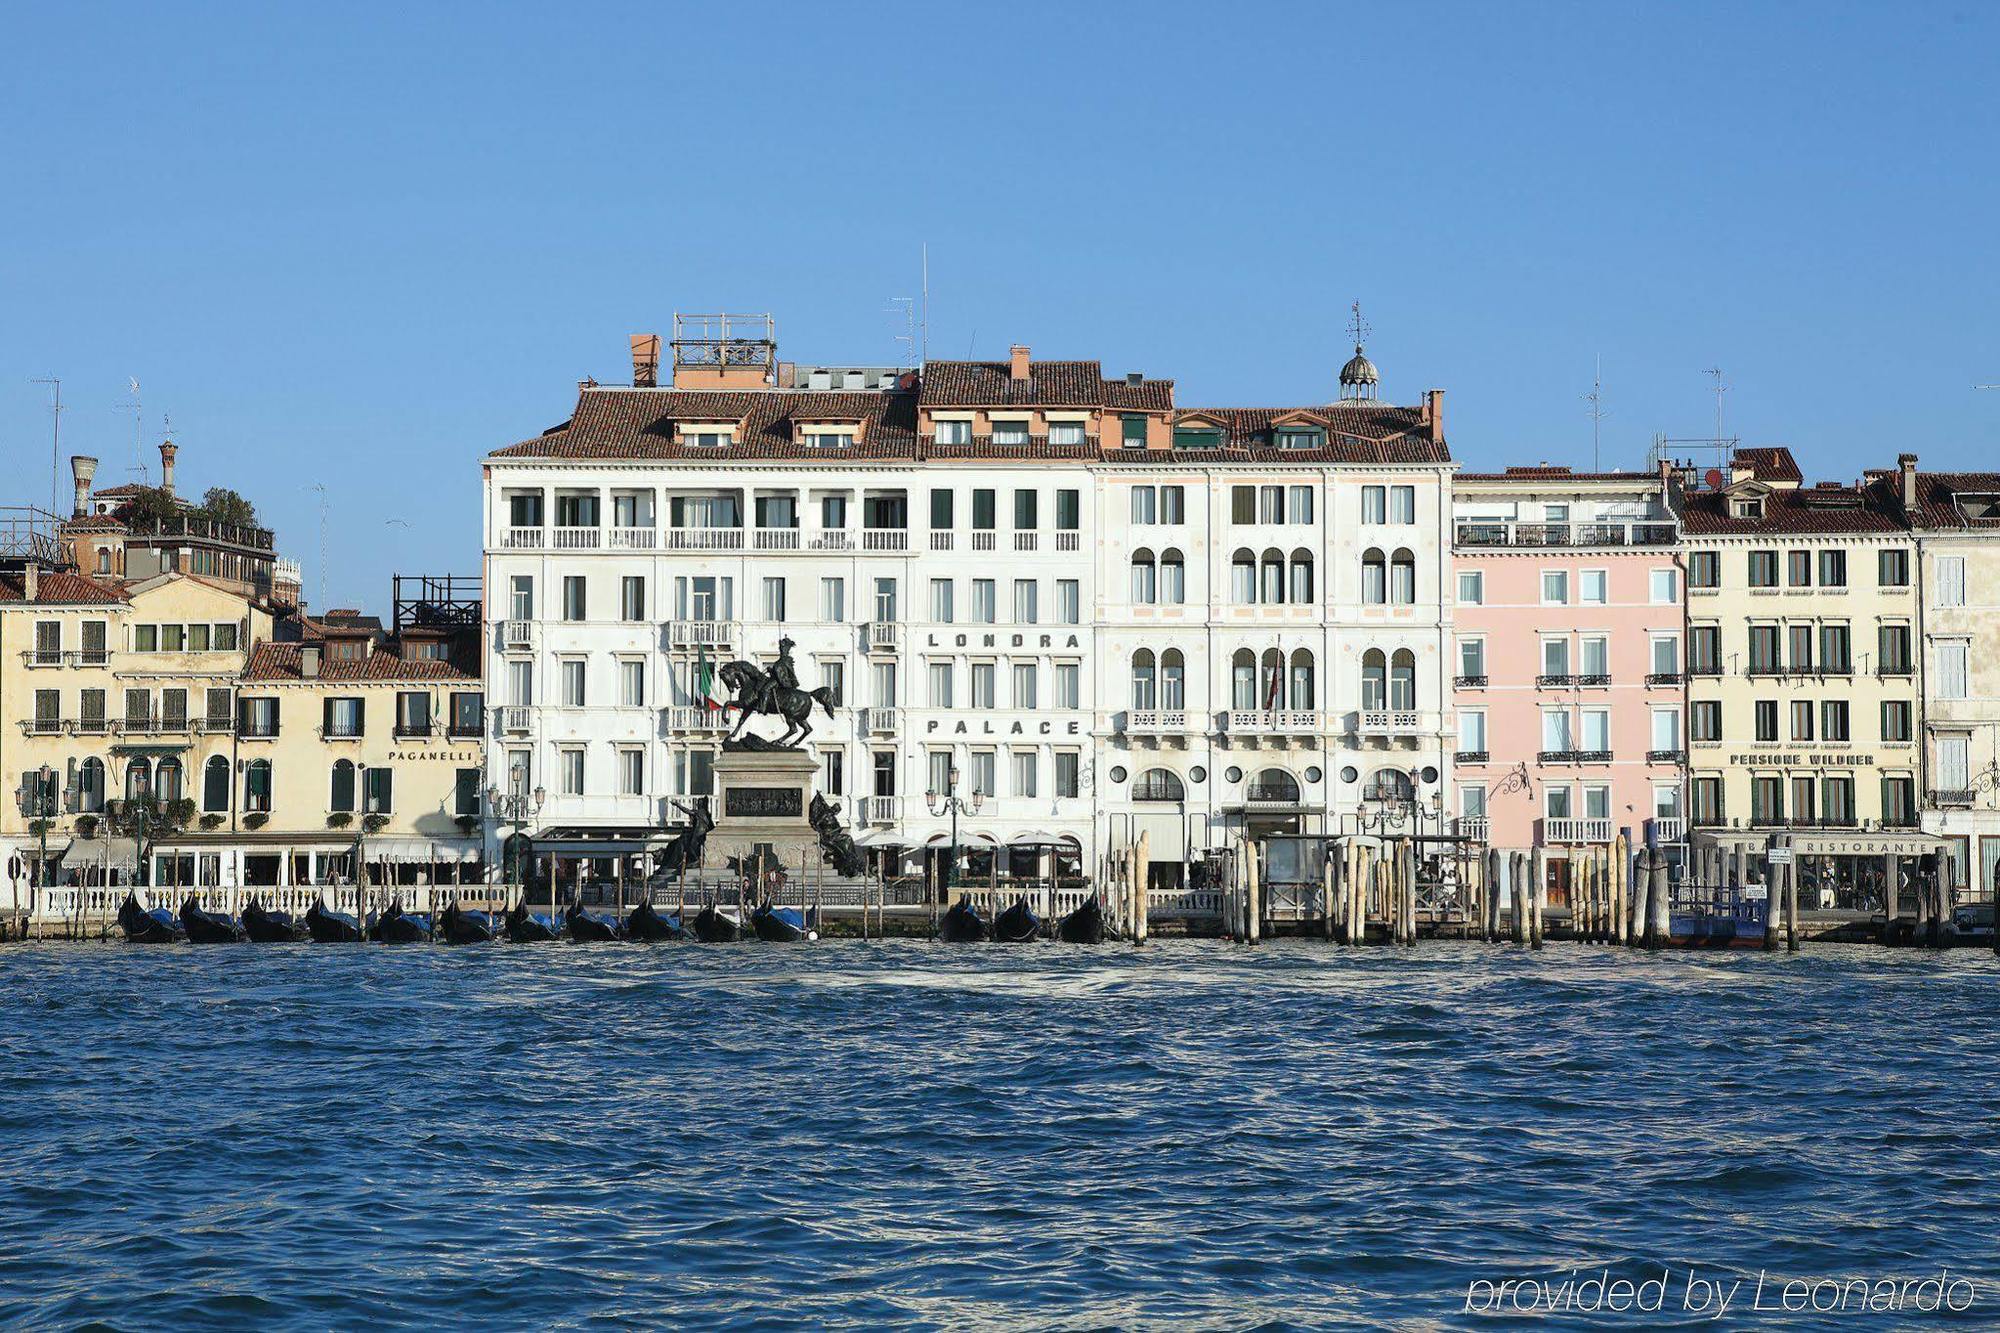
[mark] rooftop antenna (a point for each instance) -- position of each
(55, 442)
(906, 306)
(321, 488)
(924, 314)
(138, 468)
(1597, 413)
(1720, 389)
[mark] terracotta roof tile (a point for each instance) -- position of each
(280, 662)
(1049, 384)
(1361, 433)
(60, 589)
(1937, 500)
(1829, 510)
(1771, 464)
(619, 423)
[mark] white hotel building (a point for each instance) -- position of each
(1109, 613)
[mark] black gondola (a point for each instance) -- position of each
(143, 927)
(962, 924)
(269, 927)
(331, 927)
(455, 925)
(713, 927)
(778, 925)
(646, 924)
(1083, 926)
(589, 927)
(525, 927)
(205, 927)
(1018, 924)
(396, 926)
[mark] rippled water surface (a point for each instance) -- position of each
(850, 1134)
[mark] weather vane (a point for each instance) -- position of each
(1358, 326)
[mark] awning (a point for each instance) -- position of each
(83, 853)
(1031, 838)
(882, 837)
(970, 838)
(415, 849)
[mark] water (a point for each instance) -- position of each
(862, 1135)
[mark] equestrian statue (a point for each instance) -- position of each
(775, 692)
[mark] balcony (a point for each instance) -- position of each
(634, 539)
(1389, 722)
(699, 721)
(44, 657)
(1472, 756)
(521, 539)
(1670, 828)
(1273, 722)
(1468, 682)
(1069, 541)
(881, 809)
(700, 633)
(1666, 756)
(1564, 535)
(704, 539)
(415, 730)
(1576, 830)
(881, 636)
(830, 539)
(208, 529)
(985, 541)
(878, 721)
(1958, 798)
(1553, 680)
(1660, 678)
(42, 726)
(774, 539)
(1558, 756)
(513, 719)
(1471, 826)
(1593, 756)
(1027, 541)
(578, 539)
(1597, 681)
(517, 634)
(1155, 721)
(943, 541)
(1271, 795)
(885, 539)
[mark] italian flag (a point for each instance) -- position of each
(707, 694)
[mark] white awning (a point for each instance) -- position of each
(974, 838)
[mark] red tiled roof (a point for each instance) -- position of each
(1771, 464)
(280, 662)
(1545, 472)
(60, 589)
(1815, 510)
(1355, 433)
(1049, 384)
(619, 423)
(1937, 499)
(94, 523)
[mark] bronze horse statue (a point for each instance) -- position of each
(758, 692)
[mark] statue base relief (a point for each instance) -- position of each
(762, 802)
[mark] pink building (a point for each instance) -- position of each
(1568, 678)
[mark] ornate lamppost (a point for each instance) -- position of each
(950, 802)
(517, 808)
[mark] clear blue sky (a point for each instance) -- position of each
(361, 245)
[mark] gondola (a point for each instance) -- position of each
(1018, 924)
(1083, 926)
(205, 927)
(331, 927)
(589, 927)
(962, 924)
(455, 925)
(778, 925)
(645, 924)
(269, 927)
(713, 927)
(143, 927)
(525, 927)
(396, 926)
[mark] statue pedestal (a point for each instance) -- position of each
(762, 800)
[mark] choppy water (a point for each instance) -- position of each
(851, 1134)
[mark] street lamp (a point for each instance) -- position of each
(40, 805)
(516, 808)
(950, 802)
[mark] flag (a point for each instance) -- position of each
(1271, 691)
(706, 695)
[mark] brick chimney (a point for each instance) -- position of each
(1432, 414)
(1907, 465)
(31, 581)
(1017, 364)
(308, 661)
(167, 452)
(82, 469)
(645, 360)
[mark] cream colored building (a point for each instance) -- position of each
(1804, 704)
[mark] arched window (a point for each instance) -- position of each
(1271, 680)
(341, 797)
(1243, 578)
(215, 785)
(1159, 784)
(1243, 680)
(1173, 679)
(1374, 577)
(1271, 589)
(1275, 784)
(1173, 578)
(1403, 578)
(1144, 682)
(1145, 586)
(1302, 690)
(1388, 784)
(167, 780)
(1302, 577)
(90, 786)
(257, 787)
(1403, 680)
(139, 779)
(1374, 680)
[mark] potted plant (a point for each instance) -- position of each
(339, 819)
(256, 819)
(86, 827)
(374, 823)
(38, 827)
(211, 822)
(467, 824)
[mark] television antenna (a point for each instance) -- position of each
(906, 306)
(1720, 389)
(323, 506)
(55, 442)
(1596, 413)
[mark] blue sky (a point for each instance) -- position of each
(357, 246)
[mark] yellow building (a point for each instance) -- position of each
(1803, 694)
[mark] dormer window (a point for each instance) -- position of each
(954, 432)
(707, 437)
(1749, 508)
(1066, 432)
(1010, 432)
(1300, 437)
(830, 437)
(1197, 437)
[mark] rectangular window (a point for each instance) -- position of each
(254, 717)
(983, 674)
(1666, 730)
(1374, 504)
(938, 767)
(833, 513)
(833, 600)
(774, 599)
(1799, 648)
(1144, 505)
(1952, 657)
(954, 432)
(224, 638)
(1954, 763)
(1066, 432)
(378, 788)
(1836, 650)
(631, 772)
(1899, 801)
(1402, 504)
(632, 598)
(1555, 657)
(1767, 720)
(1010, 432)
(833, 675)
(985, 510)
(1763, 569)
(1069, 508)
(1597, 730)
(1893, 642)
(197, 638)
(1764, 650)
(1665, 659)
(1132, 433)
(1472, 659)
(985, 768)
(1836, 801)
(145, 638)
(1596, 660)
(468, 713)
(1270, 504)
(173, 638)
(1594, 587)
(1068, 774)
(465, 791)
(1767, 800)
(1833, 569)
(572, 682)
(985, 601)
(1892, 569)
(1798, 569)
(938, 676)
(521, 682)
(1708, 801)
(1556, 730)
(882, 676)
(569, 762)
(521, 597)
(1896, 720)
(1024, 773)
(1069, 685)
(1024, 685)
(413, 713)
(1555, 587)
(1299, 503)
(1663, 587)
(941, 500)
(833, 772)
(941, 611)
(1025, 609)
(1705, 650)
(1950, 580)
(1704, 569)
(1833, 721)
(1242, 504)
(573, 597)
(1472, 730)
(1802, 719)
(1471, 588)
(1705, 720)
(632, 682)
(1069, 602)
(1173, 504)
(1027, 510)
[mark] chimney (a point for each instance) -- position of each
(167, 452)
(1432, 414)
(82, 468)
(1017, 364)
(309, 661)
(1135, 378)
(31, 581)
(645, 360)
(1907, 464)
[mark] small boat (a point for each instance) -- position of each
(396, 926)
(525, 927)
(205, 927)
(1083, 926)
(962, 924)
(713, 927)
(646, 924)
(778, 925)
(269, 927)
(147, 927)
(1018, 924)
(331, 927)
(589, 927)
(457, 926)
